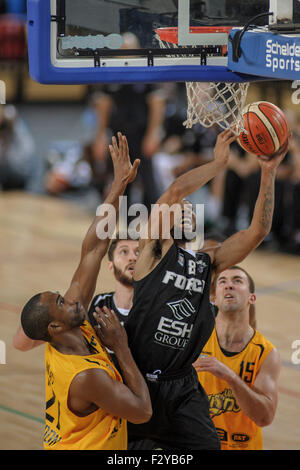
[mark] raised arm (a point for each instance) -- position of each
(237, 247)
(94, 248)
(99, 234)
(187, 184)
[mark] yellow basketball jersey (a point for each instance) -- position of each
(236, 430)
(63, 429)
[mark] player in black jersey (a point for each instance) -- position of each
(171, 318)
(122, 256)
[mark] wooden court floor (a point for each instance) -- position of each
(40, 240)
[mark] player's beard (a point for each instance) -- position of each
(122, 277)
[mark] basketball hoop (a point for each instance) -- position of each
(210, 102)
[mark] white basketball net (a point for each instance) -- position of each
(213, 103)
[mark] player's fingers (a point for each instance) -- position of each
(232, 138)
(134, 170)
(136, 165)
(120, 144)
(126, 144)
(112, 152)
(115, 145)
(204, 361)
(101, 315)
(285, 146)
(228, 134)
(263, 158)
(110, 317)
(220, 137)
(107, 314)
(96, 313)
(224, 133)
(100, 323)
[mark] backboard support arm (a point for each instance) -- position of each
(282, 11)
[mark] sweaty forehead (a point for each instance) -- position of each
(231, 274)
(127, 244)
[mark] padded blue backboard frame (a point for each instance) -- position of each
(43, 71)
(274, 56)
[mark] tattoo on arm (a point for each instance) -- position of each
(267, 210)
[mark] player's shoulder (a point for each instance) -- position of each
(102, 299)
(89, 377)
(265, 345)
(203, 256)
(259, 337)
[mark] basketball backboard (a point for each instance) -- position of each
(75, 41)
(273, 52)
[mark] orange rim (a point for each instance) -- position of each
(171, 34)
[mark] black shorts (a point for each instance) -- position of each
(180, 419)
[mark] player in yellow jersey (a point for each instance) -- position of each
(87, 404)
(238, 367)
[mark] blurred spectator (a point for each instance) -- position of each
(293, 245)
(17, 157)
(183, 149)
(13, 43)
(137, 110)
(73, 173)
(240, 191)
(241, 166)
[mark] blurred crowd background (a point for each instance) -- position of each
(54, 141)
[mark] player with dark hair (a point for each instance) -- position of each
(87, 403)
(238, 367)
(171, 319)
(122, 255)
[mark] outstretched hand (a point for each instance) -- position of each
(222, 147)
(272, 162)
(123, 169)
(109, 329)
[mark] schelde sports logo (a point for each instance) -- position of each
(283, 56)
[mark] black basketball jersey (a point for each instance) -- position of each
(106, 300)
(171, 318)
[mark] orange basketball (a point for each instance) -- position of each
(266, 128)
